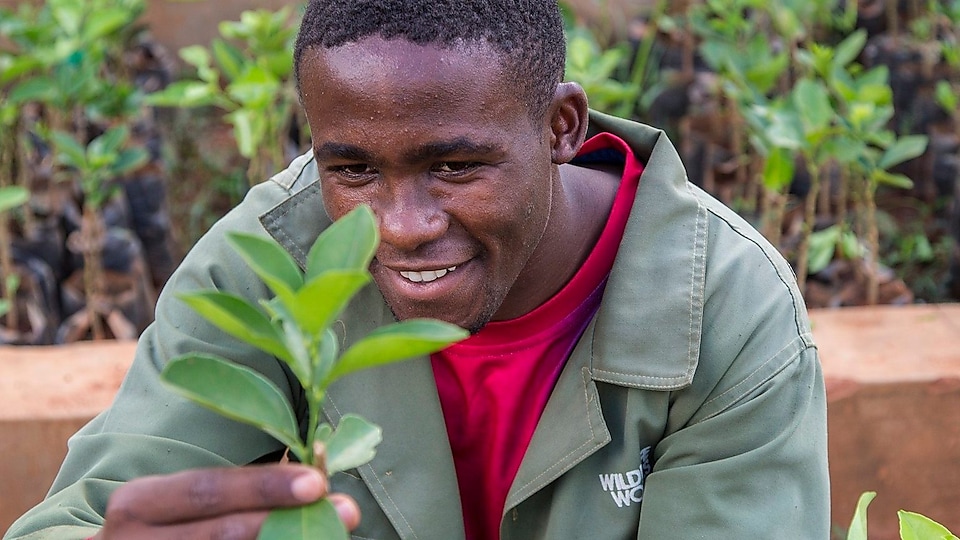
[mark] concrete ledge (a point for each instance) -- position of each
(47, 394)
(893, 387)
(893, 392)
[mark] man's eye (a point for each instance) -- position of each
(355, 169)
(455, 167)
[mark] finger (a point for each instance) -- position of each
(203, 493)
(347, 509)
(242, 526)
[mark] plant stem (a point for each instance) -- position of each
(773, 215)
(22, 159)
(842, 187)
(92, 232)
(873, 243)
(7, 164)
(314, 402)
(6, 270)
(810, 215)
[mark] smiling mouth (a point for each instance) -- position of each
(427, 276)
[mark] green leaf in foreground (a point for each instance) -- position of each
(914, 526)
(352, 444)
(323, 298)
(397, 341)
(317, 520)
(240, 319)
(347, 244)
(234, 391)
(858, 525)
(270, 262)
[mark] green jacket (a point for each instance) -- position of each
(696, 389)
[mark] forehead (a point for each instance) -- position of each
(402, 78)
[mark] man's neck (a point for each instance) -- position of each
(579, 212)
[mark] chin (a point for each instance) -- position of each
(470, 324)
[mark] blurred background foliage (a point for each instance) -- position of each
(831, 125)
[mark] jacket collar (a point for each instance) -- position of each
(648, 327)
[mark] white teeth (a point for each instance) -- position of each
(427, 276)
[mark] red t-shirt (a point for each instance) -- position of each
(494, 385)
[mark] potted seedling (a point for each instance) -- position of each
(248, 73)
(295, 326)
(97, 165)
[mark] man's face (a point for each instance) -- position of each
(446, 153)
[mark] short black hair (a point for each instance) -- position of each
(527, 33)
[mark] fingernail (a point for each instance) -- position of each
(345, 509)
(307, 487)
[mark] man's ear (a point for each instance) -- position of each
(568, 121)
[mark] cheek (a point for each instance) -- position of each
(338, 201)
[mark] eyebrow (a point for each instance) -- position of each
(427, 151)
(349, 152)
(439, 149)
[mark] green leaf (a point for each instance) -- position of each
(915, 526)
(246, 130)
(108, 143)
(228, 57)
(240, 319)
(103, 22)
(348, 244)
(849, 49)
(395, 342)
(785, 130)
(823, 244)
(905, 148)
(16, 66)
(858, 525)
(316, 520)
(69, 151)
(12, 197)
(354, 443)
(69, 15)
(183, 94)
(896, 180)
(130, 160)
(779, 169)
(326, 356)
(850, 245)
(298, 348)
(280, 64)
(271, 262)
(322, 298)
(813, 104)
(946, 97)
(234, 391)
(196, 56)
(34, 89)
(255, 88)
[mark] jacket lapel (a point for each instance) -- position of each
(412, 476)
(571, 427)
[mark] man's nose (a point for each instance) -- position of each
(409, 215)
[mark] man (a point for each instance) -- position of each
(641, 365)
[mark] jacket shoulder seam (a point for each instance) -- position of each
(736, 392)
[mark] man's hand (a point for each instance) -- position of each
(228, 503)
